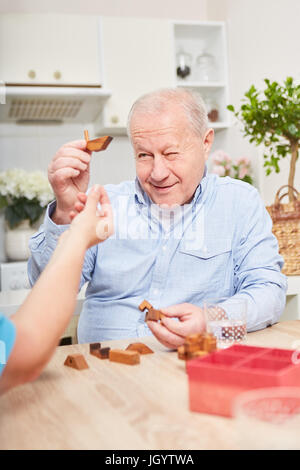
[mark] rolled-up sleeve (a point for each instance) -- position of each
(43, 243)
(257, 264)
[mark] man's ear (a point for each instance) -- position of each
(208, 140)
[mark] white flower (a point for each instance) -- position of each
(17, 183)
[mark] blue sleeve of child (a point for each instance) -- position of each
(7, 340)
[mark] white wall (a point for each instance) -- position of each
(263, 42)
(177, 9)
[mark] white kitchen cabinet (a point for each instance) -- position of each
(49, 49)
(137, 57)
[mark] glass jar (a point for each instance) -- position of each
(212, 110)
(184, 64)
(205, 68)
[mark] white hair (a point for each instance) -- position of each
(158, 101)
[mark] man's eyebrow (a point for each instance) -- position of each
(171, 147)
(142, 148)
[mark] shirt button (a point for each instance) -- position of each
(155, 291)
(164, 248)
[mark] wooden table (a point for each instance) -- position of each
(115, 406)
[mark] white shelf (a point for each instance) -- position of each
(188, 84)
(195, 38)
(219, 125)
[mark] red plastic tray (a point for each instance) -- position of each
(215, 380)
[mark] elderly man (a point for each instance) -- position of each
(181, 235)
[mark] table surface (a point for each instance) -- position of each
(115, 406)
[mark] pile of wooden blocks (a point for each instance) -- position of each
(130, 356)
(198, 345)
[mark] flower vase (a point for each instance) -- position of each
(17, 240)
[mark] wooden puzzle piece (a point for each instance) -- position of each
(97, 145)
(76, 361)
(153, 315)
(94, 347)
(209, 342)
(140, 348)
(197, 345)
(145, 305)
(102, 353)
(124, 357)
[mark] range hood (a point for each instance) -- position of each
(28, 103)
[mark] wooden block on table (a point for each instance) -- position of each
(181, 352)
(192, 339)
(199, 354)
(94, 347)
(209, 343)
(124, 357)
(145, 305)
(140, 348)
(191, 348)
(76, 361)
(102, 353)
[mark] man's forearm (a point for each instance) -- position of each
(265, 305)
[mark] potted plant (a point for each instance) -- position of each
(23, 198)
(272, 118)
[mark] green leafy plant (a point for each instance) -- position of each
(23, 196)
(272, 117)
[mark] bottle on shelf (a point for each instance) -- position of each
(212, 110)
(184, 64)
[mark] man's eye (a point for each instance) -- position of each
(172, 155)
(143, 155)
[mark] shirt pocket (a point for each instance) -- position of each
(207, 269)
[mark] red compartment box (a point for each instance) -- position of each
(215, 380)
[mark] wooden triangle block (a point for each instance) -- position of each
(96, 145)
(76, 361)
(139, 347)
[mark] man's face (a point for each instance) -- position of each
(170, 157)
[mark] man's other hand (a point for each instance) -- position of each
(180, 320)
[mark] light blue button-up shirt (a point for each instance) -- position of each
(219, 245)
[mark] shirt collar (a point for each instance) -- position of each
(142, 197)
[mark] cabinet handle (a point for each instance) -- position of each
(114, 119)
(31, 74)
(57, 75)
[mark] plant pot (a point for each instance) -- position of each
(17, 240)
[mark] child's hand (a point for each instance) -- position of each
(88, 222)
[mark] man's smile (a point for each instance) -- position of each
(163, 189)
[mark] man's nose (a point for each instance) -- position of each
(160, 170)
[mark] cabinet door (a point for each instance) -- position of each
(55, 49)
(137, 58)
